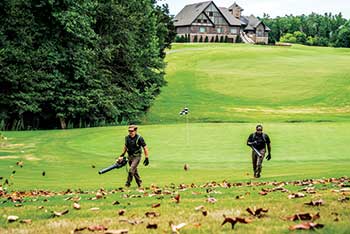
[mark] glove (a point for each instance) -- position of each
(268, 157)
(146, 162)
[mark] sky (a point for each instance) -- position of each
(273, 7)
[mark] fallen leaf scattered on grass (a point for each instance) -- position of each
(263, 193)
(120, 231)
(26, 221)
(20, 163)
(152, 226)
(58, 214)
(94, 209)
(198, 208)
(204, 212)
(343, 199)
(76, 206)
(257, 212)
(303, 216)
(121, 212)
(177, 198)
(97, 228)
(296, 195)
(315, 203)
(79, 229)
(115, 203)
(235, 220)
(197, 225)
(175, 228)
(43, 173)
(211, 200)
(131, 221)
(12, 218)
(152, 214)
(306, 226)
(156, 205)
(186, 167)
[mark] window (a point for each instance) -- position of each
(202, 29)
(199, 20)
(211, 14)
(205, 21)
(219, 30)
(233, 30)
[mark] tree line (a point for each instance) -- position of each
(80, 63)
(313, 29)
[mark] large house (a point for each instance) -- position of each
(206, 20)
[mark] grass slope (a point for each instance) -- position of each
(244, 83)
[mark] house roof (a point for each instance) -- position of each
(235, 5)
(230, 18)
(252, 22)
(189, 13)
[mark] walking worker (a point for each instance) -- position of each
(258, 141)
(134, 143)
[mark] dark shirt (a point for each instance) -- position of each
(261, 143)
(134, 144)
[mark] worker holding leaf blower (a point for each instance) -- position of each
(258, 142)
(134, 143)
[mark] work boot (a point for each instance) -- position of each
(257, 175)
(127, 185)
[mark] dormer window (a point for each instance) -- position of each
(211, 13)
(199, 21)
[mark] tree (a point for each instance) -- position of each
(195, 39)
(201, 39)
(71, 63)
(206, 39)
(342, 36)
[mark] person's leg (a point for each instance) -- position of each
(254, 159)
(134, 165)
(133, 169)
(259, 162)
(130, 175)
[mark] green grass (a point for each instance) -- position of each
(214, 152)
(300, 94)
(244, 83)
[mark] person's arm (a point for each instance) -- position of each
(146, 161)
(145, 149)
(250, 141)
(122, 154)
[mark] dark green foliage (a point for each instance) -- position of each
(201, 39)
(206, 39)
(341, 37)
(221, 39)
(80, 63)
(216, 38)
(195, 39)
(212, 39)
(313, 29)
(226, 39)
